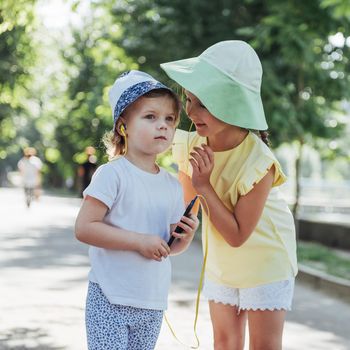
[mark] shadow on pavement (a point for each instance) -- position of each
(25, 338)
(45, 247)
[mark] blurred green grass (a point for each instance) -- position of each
(325, 259)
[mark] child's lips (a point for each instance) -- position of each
(200, 125)
(161, 138)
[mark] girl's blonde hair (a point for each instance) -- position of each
(114, 140)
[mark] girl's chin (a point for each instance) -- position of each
(161, 148)
(152, 150)
(202, 131)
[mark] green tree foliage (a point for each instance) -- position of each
(340, 8)
(158, 31)
(17, 56)
(16, 52)
(305, 75)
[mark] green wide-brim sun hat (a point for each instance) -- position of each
(228, 99)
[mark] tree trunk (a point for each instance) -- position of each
(297, 186)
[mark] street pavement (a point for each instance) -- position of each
(43, 279)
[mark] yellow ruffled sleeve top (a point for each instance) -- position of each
(269, 254)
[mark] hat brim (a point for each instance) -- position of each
(225, 98)
(132, 93)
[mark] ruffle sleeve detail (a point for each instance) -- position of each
(257, 171)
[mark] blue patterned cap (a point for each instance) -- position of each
(128, 87)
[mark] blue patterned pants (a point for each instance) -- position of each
(118, 327)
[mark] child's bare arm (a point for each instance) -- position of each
(235, 227)
(90, 229)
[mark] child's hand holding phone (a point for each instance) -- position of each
(187, 227)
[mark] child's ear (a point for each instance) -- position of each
(122, 129)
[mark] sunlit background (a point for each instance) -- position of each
(58, 59)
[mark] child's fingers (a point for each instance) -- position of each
(184, 235)
(193, 217)
(199, 159)
(182, 225)
(157, 256)
(166, 247)
(209, 152)
(190, 221)
(194, 166)
(195, 221)
(187, 227)
(204, 155)
(178, 235)
(161, 253)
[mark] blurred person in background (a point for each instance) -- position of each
(30, 169)
(86, 170)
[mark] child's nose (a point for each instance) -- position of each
(162, 124)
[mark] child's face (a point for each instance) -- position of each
(151, 123)
(206, 124)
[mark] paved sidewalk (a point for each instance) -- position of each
(43, 285)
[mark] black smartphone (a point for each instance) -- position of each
(187, 213)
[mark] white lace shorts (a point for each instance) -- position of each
(272, 296)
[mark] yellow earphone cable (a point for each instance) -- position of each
(199, 289)
(122, 131)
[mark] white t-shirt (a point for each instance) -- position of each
(30, 170)
(141, 202)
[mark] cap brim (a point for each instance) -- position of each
(225, 98)
(132, 93)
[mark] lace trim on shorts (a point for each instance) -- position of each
(272, 296)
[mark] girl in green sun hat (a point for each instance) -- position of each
(251, 262)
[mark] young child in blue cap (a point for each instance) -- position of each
(130, 209)
(251, 261)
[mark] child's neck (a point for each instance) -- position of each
(227, 139)
(146, 163)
